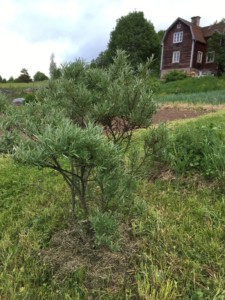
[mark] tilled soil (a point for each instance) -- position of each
(179, 112)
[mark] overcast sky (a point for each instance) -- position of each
(31, 30)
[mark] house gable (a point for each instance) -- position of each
(172, 45)
(189, 53)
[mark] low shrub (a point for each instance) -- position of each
(105, 227)
(175, 75)
(198, 147)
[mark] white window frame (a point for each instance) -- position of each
(176, 57)
(178, 37)
(199, 57)
(210, 56)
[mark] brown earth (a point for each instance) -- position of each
(179, 112)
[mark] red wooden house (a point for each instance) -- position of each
(184, 47)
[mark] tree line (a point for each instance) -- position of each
(25, 77)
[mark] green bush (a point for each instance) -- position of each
(105, 227)
(30, 98)
(175, 75)
(4, 103)
(198, 147)
(156, 142)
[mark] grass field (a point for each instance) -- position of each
(207, 90)
(14, 85)
(172, 239)
(211, 97)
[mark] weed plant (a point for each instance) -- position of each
(105, 226)
(200, 146)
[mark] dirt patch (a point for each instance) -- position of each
(179, 112)
(72, 253)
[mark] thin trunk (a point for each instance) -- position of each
(73, 191)
(83, 190)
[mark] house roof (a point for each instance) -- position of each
(199, 33)
(209, 30)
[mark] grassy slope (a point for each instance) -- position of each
(178, 223)
(208, 90)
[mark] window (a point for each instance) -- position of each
(176, 57)
(210, 57)
(178, 37)
(178, 25)
(199, 57)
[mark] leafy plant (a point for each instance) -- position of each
(105, 226)
(81, 156)
(199, 146)
(174, 76)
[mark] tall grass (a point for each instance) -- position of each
(210, 97)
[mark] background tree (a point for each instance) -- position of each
(217, 43)
(11, 79)
(102, 61)
(54, 71)
(136, 35)
(24, 76)
(2, 80)
(39, 76)
(160, 34)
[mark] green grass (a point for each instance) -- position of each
(20, 85)
(183, 241)
(192, 85)
(29, 214)
(13, 90)
(210, 97)
(207, 90)
(178, 224)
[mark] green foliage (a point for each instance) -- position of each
(134, 34)
(4, 103)
(30, 97)
(199, 146)
(148, 153)
(174, 76)
(105, 226)
(54, 71)
(2, 80)
(157, 140)
(102, 61)
(116, 98)
(39, 76)
(81, 156)
(24, 76)
(216, 43)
